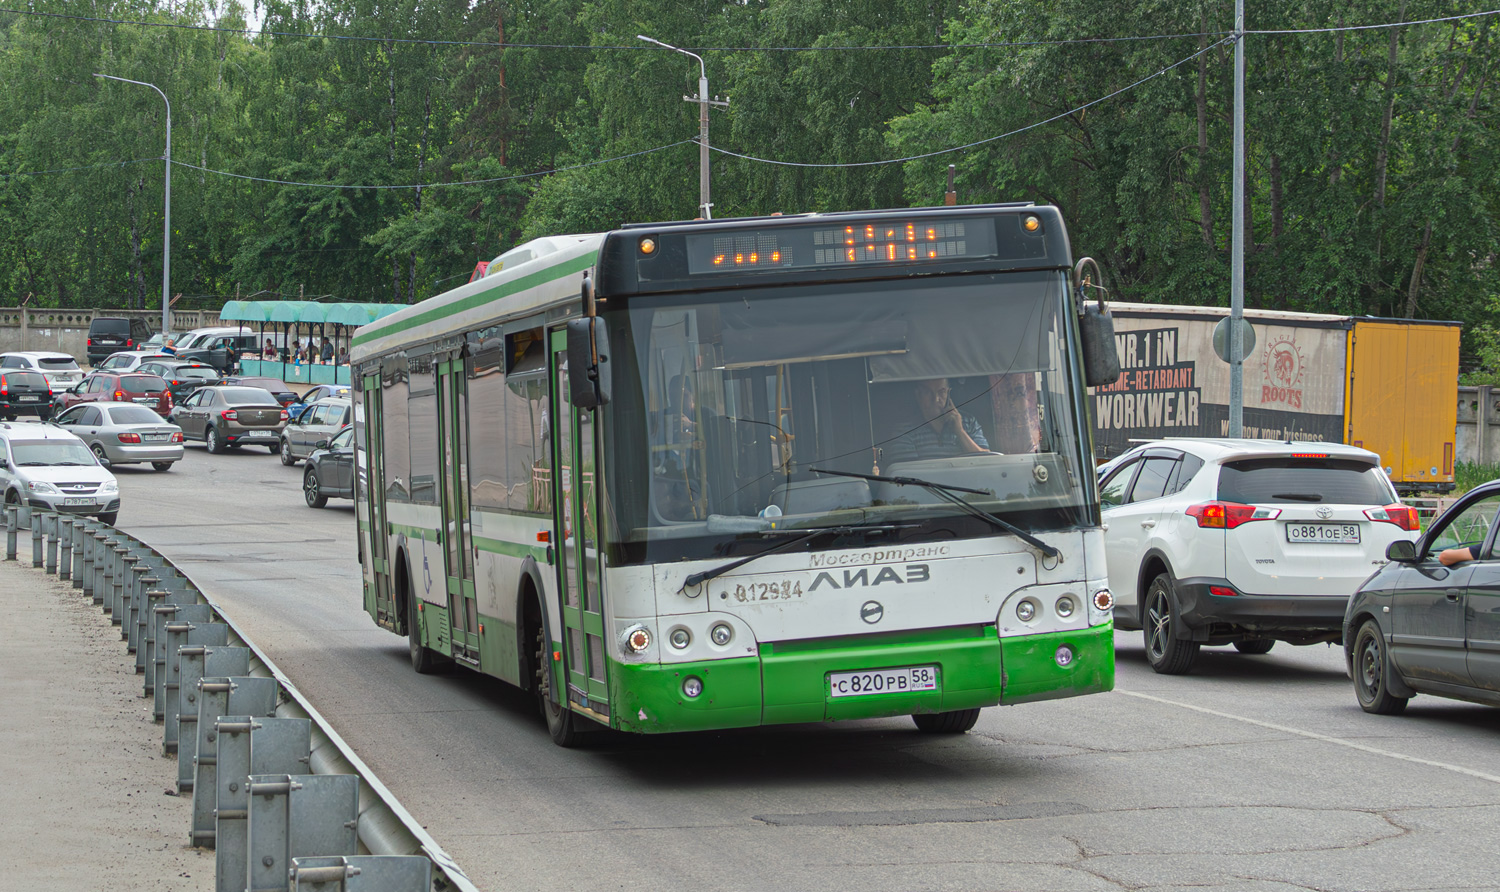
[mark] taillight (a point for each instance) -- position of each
(177, 437)
(119, 396)
(1228, 515)
(129, 344)
(1403, 516)
(230, 415)
(129, 438)
(284, 416)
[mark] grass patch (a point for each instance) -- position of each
(1467, 475)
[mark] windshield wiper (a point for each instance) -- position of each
(945, 491)
(1299, 496)
(706, 575)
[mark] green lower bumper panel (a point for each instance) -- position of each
(940, 670)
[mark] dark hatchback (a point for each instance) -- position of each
(330, 470)
(1419, 627)
(24, 393)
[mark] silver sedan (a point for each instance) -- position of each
(124, 433)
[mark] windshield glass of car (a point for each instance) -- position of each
(133, 415)
(142, 384)
(58, 364)
(1284, 481)
(196, 371)
(38, 453)
(247, 396)
(27, 379)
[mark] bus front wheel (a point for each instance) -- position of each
(956, 722)
(561, 723)
(423, 660)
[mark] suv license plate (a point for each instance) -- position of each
(882, 681)
(1330, 533)
(258, 434)
(28, 399)
(77, 503)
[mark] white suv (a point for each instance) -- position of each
(1243, 542)
(60, 369)
(49, 468)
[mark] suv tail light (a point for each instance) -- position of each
(1228, 515)
(129, 344)
(1403, 516)
(230, 415)
(129, 438)
(284, 416)
(119, 396)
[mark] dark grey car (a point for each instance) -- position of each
(223, 416)
(1419, 627)
(330, 470)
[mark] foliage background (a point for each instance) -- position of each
(1372, 153)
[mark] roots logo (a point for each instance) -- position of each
(1284, 369)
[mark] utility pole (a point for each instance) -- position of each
(166, 248)
(704, 204)
(1237, 241)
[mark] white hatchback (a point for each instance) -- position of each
(60, 369)
(1243, 542)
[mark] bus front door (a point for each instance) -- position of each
(370, 478)
(576, 531)
(458, 563)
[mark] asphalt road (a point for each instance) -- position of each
(1253, 773)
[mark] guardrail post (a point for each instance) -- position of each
(219, 696)
(183, 632)
(168, 611)
(117, 583)
(296, 816)
(129, 588)
(362, 873)
(138, 589)
(250, 747)
(199, 661)
(36, 538)
(80, 533)
(95, 585)
(10, 531)
(49, 531)
(64, 547)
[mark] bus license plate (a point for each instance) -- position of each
(882, 681)
(1330, 533)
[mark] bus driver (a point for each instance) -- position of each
(943, 433)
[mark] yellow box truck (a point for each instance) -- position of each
(1388, 385)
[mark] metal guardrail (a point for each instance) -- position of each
(208, 686)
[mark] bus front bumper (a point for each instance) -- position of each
(789, 681)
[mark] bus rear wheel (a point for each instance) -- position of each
(561, 723)
(955, 722)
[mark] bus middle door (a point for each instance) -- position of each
(576, 534)
(458, 564)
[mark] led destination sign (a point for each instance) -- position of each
(887, 243)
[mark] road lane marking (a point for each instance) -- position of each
(1313, 735)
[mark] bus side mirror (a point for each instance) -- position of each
(1101, 362)
(588, 359)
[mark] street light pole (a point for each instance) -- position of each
(703, 100)
(166, 249)
(1237, 237)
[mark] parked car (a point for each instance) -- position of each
(47, 467)
(129, 360)
(284, 395)
(124, 433)
(1421, 625)
(320, 392)
(330, 470)
(220, 347)
(183, 376)
(112, 387)
(60, 369)
(1242, 542)
(24, 393)
(111, 334)
(317, 422)
(231, 415)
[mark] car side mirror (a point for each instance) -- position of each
(103, 462)
(1403, 551)
(321, 444)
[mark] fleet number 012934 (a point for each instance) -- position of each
(882, 681)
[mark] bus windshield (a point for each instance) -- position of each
(728, 404)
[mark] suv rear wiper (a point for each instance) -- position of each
(706, 575)
(945, 491)
(1299, 496)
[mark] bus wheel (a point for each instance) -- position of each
(956, 722)
(561, 723)
(423, 660)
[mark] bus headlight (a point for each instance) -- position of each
(1026, 610)
(692, 687)
(1064, 656)
(721, 633)
(680, 638)
(637, 639)
(1065, 606)
(1103, 600)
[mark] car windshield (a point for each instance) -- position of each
(35, 453)
(1281, 481)
(248, 396)
(29, 379)
(142, 384)
(58, 363)
(728, 406)
(133, 415)
(196, 371)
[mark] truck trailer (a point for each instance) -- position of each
(1388, 385)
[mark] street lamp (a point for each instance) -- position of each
(704, 205)
(166, 248)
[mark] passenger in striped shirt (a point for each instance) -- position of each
(944, 432)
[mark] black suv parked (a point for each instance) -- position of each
(24, 393)
(111, 334)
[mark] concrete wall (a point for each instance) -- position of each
(1478, 437)
(67, 331)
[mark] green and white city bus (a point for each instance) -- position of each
(716, 474)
